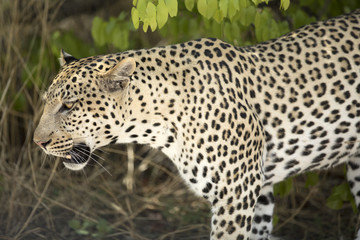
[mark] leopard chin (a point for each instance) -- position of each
(77, 158)
(75, 166)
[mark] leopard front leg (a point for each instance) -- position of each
(262, 223)
(233, 214)
(238, 188)
(232, 220)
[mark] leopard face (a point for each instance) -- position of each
(80, 106)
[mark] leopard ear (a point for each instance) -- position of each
(66, 58)
(118, 77)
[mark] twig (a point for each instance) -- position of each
(40, 199)
(297, 211)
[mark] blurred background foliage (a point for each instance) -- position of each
(143, 198)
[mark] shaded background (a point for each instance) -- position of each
(137, 194)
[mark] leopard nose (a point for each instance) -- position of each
(42, 144)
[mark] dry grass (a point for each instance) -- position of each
(304, 214)
(143, 199)
(140, 198)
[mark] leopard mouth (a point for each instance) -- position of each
(77, 158)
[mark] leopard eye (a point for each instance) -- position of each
(66, 107)
(69, 105)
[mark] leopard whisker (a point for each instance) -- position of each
(88, 152)
(91, 157)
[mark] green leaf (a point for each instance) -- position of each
(141, 7)
(235, 30)
(135, 17)
(116, 39)
(110, 26)
(267, 27)
(300, 18)
(120, 38)
(216, 29)
(244, 4)
(312, 179)
(218, 16)
(103, 227)
(258, 26)
(145, 25)
(236, 4)
(283, 188)
(263, 25)
(87, 224)
(151, 13)
(70, 43)
(82, 232)
(334, 202)
(202, 7)
(223, 6)
(98, 31)
(233, 8)
(125, 40)
(247, 15)
(227, 31)
(211, 8)
(275, 220)
(172, 6)
(122, 16)
(283, 27)
(74, 224)
(162, 14)
(339, 195)
(189, 4)
(284, 4)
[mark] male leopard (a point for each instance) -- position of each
(234, 120)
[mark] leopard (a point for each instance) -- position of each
(233, 120)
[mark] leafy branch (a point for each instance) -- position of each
(156, 13)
